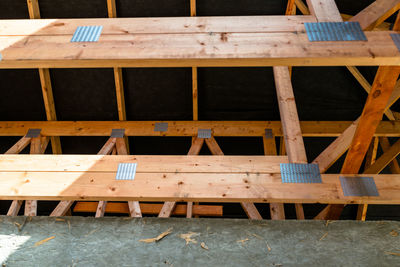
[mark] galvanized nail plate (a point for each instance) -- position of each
(126, 171)
(396, 39)
(300, 173)
(334, 31)
(268, 133)
(87, 34)
(117, 133)
(358, 186)
(33, 133)
(204, 133)
(161, 126)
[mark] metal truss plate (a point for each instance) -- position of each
(204, 133)
(358, 186)
(161, 126)
(300, 173)
(87, 34)
(396, 39)
(334, 31)
(117, 133)
(268, 133)
(33, 133)
(126, 171)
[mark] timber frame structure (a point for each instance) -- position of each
(277, 41)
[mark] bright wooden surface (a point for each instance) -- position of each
(186, 128)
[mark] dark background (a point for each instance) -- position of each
(322, 93)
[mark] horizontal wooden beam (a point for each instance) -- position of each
(185, 128)
(172, 25)
(145, 164)
(150, 209)
(186, 187)
(224, 41)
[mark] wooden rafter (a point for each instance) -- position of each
(190, 128)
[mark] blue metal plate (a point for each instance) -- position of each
(204, 133)
(300, 173)
(126, 171)
(161, 126)
(334, 31)
(358, 186)
(87, 34)
(396, 39)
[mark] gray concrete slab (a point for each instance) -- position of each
(109, 241)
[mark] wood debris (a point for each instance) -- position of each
(60, 220)
(243, 240)
(44, 241)
(91, 232)
(328, 222)
(322, 237)
(392, 253)
(188, 237)
(394, 233)
(158, 238)
(203, 245)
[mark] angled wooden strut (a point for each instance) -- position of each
(378, 98)
(113, 144)
(212, 144)
(169, 206)
(290, 122)
(37, 146)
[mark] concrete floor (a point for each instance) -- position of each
(79, 241)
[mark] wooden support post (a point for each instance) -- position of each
(370, 159)
(324, 10)
(291, 8)
(45, 81)
(194, 72)
(290, 122)
(277, 210)
(167, 209)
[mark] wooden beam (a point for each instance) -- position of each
(302, 7)
(186, 187)
(168, 207)
(249, 208)
(47, 90)
(290, 122)
(291, 8)
(377, 100)
(151, 209)
(324, 10)
(337, 148)
(170, 25)
(33, 8)
(171, 49)
(190, 128)
(385, 145)
(111, 8)
(277, 210)
(19, 146)
(376, 13)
